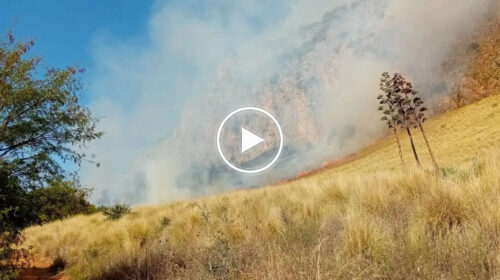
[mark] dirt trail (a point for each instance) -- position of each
(39, 269)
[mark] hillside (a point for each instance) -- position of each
(308, 85)
(126, 169)
(457, 138)
(364, 219)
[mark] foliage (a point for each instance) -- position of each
(41, 125)
(60, 200)
(410, 105)
(116, 211)
(40, 118)
(7, 273)
(389, 102)
(15, 211)
(389, 105)
(402, 107)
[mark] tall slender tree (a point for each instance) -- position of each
(418, 118)
(389, 107)
(403, 90)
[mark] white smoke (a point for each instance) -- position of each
(314, 64)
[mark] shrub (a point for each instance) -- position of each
(8, 273)
(60, 200)
(165, 221)
(116, 212)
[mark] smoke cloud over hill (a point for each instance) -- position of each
(314, 65)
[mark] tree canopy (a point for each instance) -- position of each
(42, 125)
(41, 121)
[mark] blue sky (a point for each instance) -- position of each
(144, 60)
(65, 30)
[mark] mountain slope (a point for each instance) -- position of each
(340, 223)
(456, 137)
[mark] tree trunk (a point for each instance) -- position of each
(436, 166)
(399, 146)
(413, 146)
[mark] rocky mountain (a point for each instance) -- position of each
(320, 81)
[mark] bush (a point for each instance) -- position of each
(165, 221)
(115, 212)
(60, 200)
(8, 273)
(20, 208)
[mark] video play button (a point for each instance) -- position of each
(249, 140)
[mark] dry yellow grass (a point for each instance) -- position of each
(457, 138)
(366, 219)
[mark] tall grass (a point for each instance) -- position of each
(365, 219)
(398, 225)
(457, 137)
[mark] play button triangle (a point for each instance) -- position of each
(249, 140)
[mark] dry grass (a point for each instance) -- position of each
(405, 225)
(457, 138)
(409, 225)
(366, 219)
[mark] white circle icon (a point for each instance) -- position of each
(249, 140)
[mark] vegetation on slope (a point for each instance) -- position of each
(400, 224)
(42, 124)
(458, 138)
(368, 218)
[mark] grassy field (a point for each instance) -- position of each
(367, 218)
(457, 138)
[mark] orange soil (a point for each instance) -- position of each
(38, 269)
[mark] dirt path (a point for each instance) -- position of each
(39, 269)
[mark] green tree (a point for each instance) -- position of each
(59, 200)
(40, 118)
(41, 125)
(389, 107)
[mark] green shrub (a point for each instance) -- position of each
(59, 200)
(116, 211)
(8, 272)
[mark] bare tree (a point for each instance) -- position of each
(389, 107)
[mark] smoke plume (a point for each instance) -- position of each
(314, 65)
